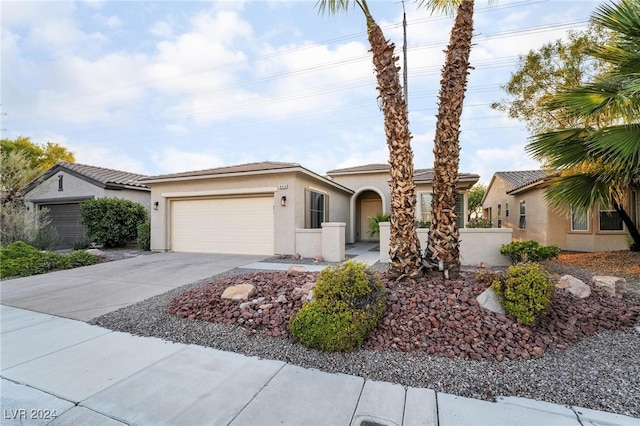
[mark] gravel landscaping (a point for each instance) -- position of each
(434, 335)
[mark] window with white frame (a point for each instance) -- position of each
(426, 214)
(522, 224)
(579, 220)
(610, 220)
(506, 209)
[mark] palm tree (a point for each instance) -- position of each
(601, 160)
(443, 247)
(404, 247)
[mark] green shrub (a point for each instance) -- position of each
(81, 244)
(144, 236)
(478, 222)
(528, 251)
(21, 259)
(525, 292)
(349, 301)
(112, 222)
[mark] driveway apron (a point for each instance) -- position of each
(88, 292)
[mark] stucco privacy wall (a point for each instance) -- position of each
(476, 244)
(289, 184)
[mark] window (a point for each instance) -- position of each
(523, 216)
(610, 220)
(579, 220)
(506, 209)
(426, 212)
(499, 215)
(60, 187)
(425, 207)
(316, 209)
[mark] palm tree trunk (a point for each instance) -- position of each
(633, 230)
(443, 247)
(404, 247)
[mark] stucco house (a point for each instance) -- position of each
(272, 207)
(63, 187)
(515, 199)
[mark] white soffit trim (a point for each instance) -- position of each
(246, 191)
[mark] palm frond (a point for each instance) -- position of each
(447, 7)
(617, 145)
(562, 148)
(580, 191)
(622, 18)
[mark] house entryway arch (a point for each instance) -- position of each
(366, 202)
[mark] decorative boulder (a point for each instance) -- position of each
(614, 286)
(239, 292)
(488, 299)
(574, 286)
(293, 271)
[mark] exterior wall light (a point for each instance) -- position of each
(155, 205)
(283, 200)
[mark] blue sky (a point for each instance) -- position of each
(171, 86)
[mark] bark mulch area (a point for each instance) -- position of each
(432, 315)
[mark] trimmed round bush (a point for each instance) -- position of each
(112, 222)
(528, 251)
(525, 292)
(349, 301)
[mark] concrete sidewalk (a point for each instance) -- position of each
(59, 371)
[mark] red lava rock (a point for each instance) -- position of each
(428, 314)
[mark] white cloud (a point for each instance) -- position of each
(172, 160)
(97, 154)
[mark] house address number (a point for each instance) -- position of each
(283, 186)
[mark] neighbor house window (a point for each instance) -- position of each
(316, 209)
(610, 220)
(499, 215)
(460, 210)
(506, 209)
(425, 207)
(60, 187)
(579, 220)
(523, 216)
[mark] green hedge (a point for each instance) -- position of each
(349, 301)
(525, 292)
(21, 259)
(528, 251)
(144, 236)
(112, 222)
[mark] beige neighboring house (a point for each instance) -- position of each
(65, 186)
(515, 199)
(271, 208)
(372, 195)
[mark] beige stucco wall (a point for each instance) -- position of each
(548, 225)
(74, 187)
(287, 218)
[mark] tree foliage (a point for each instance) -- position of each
(475, 194)
(541, 74)
(599, 155)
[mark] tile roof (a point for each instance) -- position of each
(240, 168)
(420, 175)
(521, 178)
(100, 175)
(360, 169)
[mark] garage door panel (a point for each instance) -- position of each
(66, 219)
(223, 225)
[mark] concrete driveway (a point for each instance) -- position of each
(88, 292)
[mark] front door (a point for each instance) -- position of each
(368, 208)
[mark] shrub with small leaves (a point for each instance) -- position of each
(349, 301)
(144, 236)
(21, 259)
(112, 222)
(525, 292)
(528, 251)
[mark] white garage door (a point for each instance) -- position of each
(223, 225)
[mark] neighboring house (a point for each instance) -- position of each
(63, 187)
(266, 208)
(515, 200)
(372, 195)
